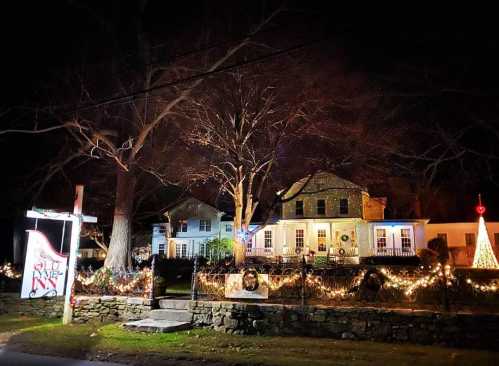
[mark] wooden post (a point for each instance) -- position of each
(194, 290)
(73, 253)
(303, 275)
(153, 273)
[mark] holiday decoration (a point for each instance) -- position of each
(9, 271)
(484, 255)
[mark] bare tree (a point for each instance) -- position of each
(241, 127)
(131, 131)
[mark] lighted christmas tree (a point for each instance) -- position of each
(484, 254)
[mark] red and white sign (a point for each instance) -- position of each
(44, 270)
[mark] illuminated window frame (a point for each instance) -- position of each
(321, 240)
(300, 238)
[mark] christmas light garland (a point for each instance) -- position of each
(491, 287)
(409, 285)
(9, 271)
(143, 276)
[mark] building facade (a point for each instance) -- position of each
(191, 225)
(323, 216)
(327, 216)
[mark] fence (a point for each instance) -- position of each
(436, 287)
(104, 281)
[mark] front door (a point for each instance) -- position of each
(344, 242)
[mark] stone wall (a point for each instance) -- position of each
(87, 308)
(110, 308)
(415, 326)
(11, 303)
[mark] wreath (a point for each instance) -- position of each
(341, 251)
(344, 237)
(250, 280)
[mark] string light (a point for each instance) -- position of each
(484, 255)
(491, 287)
(408, 285)
(144, 276)
(9, 271)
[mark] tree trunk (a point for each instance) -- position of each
(117, 254)
(239, 232)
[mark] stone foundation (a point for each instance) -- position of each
(376, 324)
(11, 303)
(87, 308)
(110, 308)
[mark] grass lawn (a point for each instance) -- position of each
(111, 342)
(179, 288)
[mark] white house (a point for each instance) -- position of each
(192, 223)
(325, 216)
(332, 217)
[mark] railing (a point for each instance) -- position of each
(393, 252)
(259, 252)
(344, 252)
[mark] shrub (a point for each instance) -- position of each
(439, 246)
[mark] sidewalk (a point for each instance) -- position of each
(25, 359)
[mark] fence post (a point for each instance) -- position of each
(445, 291)
(303, 275)
(194, 290)
(153, 274)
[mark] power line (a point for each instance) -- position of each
(129, 96)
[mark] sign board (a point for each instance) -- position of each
(247, 285)
(44, 270)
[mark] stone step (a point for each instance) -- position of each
(182, 304)
(158, 326)
(171, 314)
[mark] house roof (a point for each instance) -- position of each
(185, 202)
(333, 182)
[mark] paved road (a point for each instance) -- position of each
(25, 359)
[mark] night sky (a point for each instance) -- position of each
(441, 64)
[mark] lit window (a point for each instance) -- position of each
(381, 240)
(343, 206)
(161, 249)
(204, 225)
(321, 240)
(299, 238)
(182, 226)
(228, 228)
(405, 237)
(268, 239)
(249, 245)
(299, 208)
(321, 207)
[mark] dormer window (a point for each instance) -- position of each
(299, 208)
(204, 225)
(344, 206)
(321, 207)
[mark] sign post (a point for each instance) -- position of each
(73, 253)
(77, 219)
